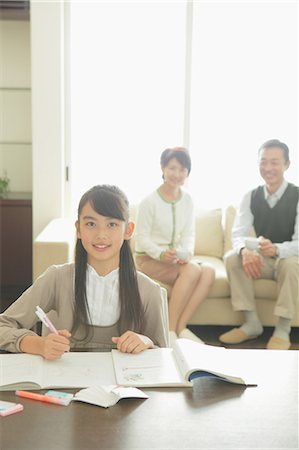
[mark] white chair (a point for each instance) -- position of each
(165, 314)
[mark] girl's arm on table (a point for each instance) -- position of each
(19, 319)
(131, 342)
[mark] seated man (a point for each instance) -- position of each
(272, 210)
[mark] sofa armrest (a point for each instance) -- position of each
(54, 245)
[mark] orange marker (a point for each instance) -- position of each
(40, 397)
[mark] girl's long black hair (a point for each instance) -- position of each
(109, 201)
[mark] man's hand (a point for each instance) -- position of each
(252, 263)
(266, 248)
(131, 342)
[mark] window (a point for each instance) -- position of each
(129, 92)
(244, 91)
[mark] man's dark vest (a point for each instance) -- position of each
(277, 223)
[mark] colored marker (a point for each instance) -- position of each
(45, 319)
(41, 397)
(6, 409)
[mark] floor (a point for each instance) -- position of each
(209, 334)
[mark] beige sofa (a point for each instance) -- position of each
(55, 245)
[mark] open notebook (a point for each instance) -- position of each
(159, 367)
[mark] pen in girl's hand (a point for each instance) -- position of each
(45, 319)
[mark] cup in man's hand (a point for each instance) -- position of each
(252, 243)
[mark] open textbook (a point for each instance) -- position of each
(104, 396)
(159, 367)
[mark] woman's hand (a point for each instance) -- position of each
(169, 256)
(131, 342)
(50, 347)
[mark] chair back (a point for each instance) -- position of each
(165, 314)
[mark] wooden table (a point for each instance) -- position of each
(211, 415)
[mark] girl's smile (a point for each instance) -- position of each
(101, 248)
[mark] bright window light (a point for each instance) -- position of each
(244, 91)
(127, 92)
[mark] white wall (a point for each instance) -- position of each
(15, 104)
(47, 111)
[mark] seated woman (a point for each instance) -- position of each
(165, 236)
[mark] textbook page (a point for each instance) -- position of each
(177, 366)
(150, 368)
(79, 369)
(72, 370)
(20, 368)
(196, 360)
(106, 396)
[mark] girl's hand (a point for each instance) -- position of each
(55, 345)
(50, 347)
(131, 342)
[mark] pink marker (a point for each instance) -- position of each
(6, 409)
(45, 319)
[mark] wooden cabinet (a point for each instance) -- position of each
(15, 246)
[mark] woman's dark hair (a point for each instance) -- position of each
(181, 154)
(109, 201)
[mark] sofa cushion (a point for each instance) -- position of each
(209, 233)
(220, 286)
(230, 215)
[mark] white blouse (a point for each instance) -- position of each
(163, 224)
(103, 297)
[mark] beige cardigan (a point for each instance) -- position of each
(54, 290)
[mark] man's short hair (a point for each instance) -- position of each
(275, 143)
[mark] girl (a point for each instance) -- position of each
(165, 243)
(100, 298)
